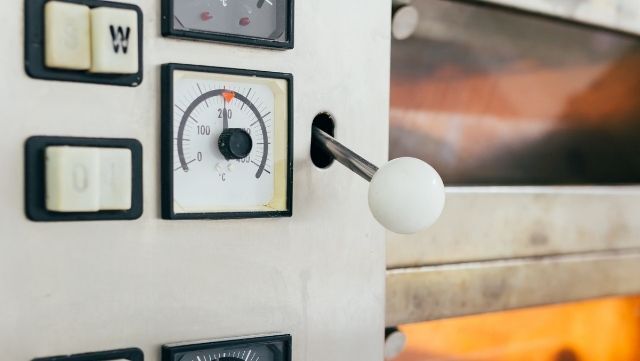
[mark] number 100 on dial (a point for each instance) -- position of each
(227, 143)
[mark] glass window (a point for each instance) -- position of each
(490, 96)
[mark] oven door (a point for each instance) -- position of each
(534, 124)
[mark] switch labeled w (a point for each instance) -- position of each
(120, 38)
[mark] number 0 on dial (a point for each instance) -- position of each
(227, 143)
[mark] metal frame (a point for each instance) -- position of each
(427, 293)
(498, 248)
(624, 21)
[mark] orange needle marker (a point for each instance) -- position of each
(228, 96)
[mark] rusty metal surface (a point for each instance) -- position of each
(435, 292)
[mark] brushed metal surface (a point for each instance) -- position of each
(621, 15)
(481, 223)
(435, 292)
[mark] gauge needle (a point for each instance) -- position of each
(227, 97)
(225, 120)
(179, 22)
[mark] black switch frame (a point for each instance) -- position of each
(131, 354)
(34, 47)
(35, 182)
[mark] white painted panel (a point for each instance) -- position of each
(77, 287)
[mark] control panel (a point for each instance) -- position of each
(180, 218)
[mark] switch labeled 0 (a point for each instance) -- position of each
(72, 179)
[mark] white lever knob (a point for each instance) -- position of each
(406, 195)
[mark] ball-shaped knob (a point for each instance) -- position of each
(394, 343)
(235, 143)
(404, 22)
(406, 195)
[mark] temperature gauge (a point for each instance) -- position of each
(227, 143)
(266, 23)
(271, 348)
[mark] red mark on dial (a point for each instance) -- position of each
(245, 21)
(228, 96)
(206, 16)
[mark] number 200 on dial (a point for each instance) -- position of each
(226, 143)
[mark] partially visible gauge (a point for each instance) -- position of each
(226, 143)
(271, 348)
(249, 22)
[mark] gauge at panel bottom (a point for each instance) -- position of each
(226, 143)
(269, 348)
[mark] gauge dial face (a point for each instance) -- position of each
(232, 20)
(248, 353)
(229, 141)
(273, 348)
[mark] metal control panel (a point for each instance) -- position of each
(120, 204)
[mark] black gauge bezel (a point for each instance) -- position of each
(167, 137)
(169, 30)
(34, 62)
(169, 352)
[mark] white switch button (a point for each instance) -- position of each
(115, 179)
(67, 36)
(114, 41)
(72, 179)
(87, 179)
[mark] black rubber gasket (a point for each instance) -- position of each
(169, 30)
(131, 354)
(35, 185)
(170, 352)
(34, 47)
(167, 143)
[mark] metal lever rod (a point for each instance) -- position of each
(344, 155)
